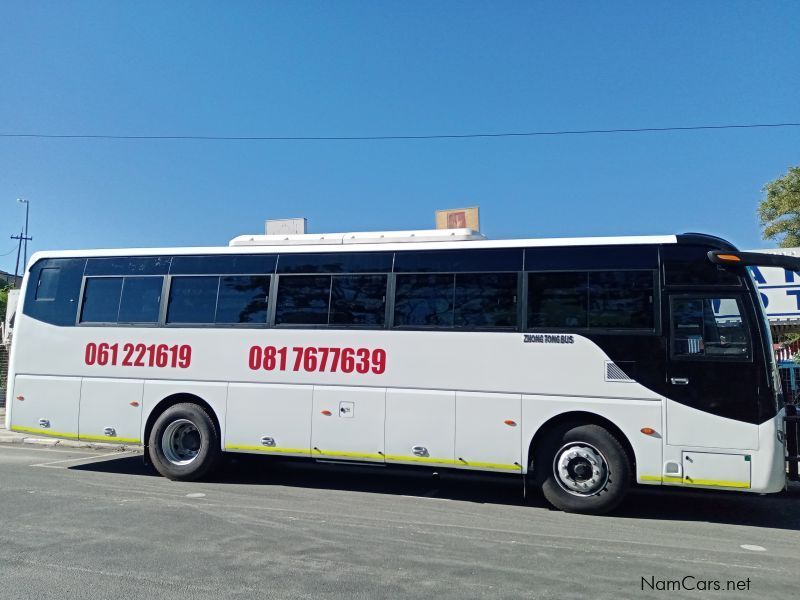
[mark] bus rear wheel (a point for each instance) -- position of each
(184, 444)
(583, 469)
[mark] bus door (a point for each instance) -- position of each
(712, 376)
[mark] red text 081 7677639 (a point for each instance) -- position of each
(318, 359)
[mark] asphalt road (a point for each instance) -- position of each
(82, 524)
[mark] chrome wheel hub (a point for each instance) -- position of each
(181, 442)
(580, 469)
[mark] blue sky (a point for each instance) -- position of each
(391, 68)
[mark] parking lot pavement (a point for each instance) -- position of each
(92, 524)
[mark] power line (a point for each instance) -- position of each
(358, 138)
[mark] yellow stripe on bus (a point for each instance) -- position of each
(268, 449)
(74, 436)
(117, 440)
(69, 436)
(705, 482)
(376, 457)
(731, 484)
(346, 454)
(486, 465)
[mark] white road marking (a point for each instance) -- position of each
(54, 464)
(425, 497)
(25, 449)
(753, 547)
(196, 495)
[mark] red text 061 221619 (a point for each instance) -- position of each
(318, 359)
(138, 355)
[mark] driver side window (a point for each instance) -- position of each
(709, 328)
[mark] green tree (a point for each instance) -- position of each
(3, 301)
(779, 211)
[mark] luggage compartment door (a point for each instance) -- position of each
(709, 469)
(348, 423)
(46, 405)
(111, 410)
(269, 418)
(420, 427)
(488, 431)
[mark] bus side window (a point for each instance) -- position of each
(242, 299)
(456, 300)
(53, 290)
(486, 300)
(101, 297)
(424, 300)
(141, 299)
(48, 283)
(596, 300)
(215, 299)
(358, 300)
(121, 299)
(558, 300)
(192, 299)
(303, 300)
(711, 328)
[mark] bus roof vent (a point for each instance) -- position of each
(359, 237)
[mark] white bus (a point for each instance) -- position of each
(584, 365)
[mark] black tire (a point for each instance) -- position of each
(611, 486)
(200, 437)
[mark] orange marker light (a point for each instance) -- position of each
(20, 397)
(729, 257)
(327, 413)
(510, 423)
(134, 403)
(647, 430)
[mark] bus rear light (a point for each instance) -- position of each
(20, 397)
(510, 423)
(327, 413)
(647, 430)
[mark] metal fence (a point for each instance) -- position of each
(3, 373)
(790, 379)
(792, 442)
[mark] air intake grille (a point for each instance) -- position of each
(618, 371)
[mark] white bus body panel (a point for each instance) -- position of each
(48, 405)
(424, 420)
(426, 360)
(348, 423)
(769, 464)
(687, 426)
(483, 438)
(106, 405)
(767, 470)
(274, 419)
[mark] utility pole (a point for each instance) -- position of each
(23, 237)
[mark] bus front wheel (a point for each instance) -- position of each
(583, 469)
(184, 444)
